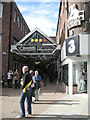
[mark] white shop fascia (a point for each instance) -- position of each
(83, 46)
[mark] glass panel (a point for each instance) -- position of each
(18, 22)
(82, 82)
(65, 74)
(15, 13)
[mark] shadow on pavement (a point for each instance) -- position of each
(57, 102)
(52, 117)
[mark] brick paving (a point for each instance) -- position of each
(11, 97)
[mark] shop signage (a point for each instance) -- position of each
(29, 48)
(72, 46)
(75, 17)
(38, 40)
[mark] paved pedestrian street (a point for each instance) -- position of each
(51, 105)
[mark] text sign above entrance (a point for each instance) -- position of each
(29, 48)
(72, 46)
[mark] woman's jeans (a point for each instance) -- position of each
(16, 85)
(27, 95)
(37, 93)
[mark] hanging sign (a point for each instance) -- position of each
(72, 46)
(75, 17)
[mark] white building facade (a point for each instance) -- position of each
(75, 54)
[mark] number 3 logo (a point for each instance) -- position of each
(72, 47)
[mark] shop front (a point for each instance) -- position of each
(74, 55)
(80, 76)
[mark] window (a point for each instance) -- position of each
(89, 20)
(18, 21)
(15, 14)
(1, 9)
(21, 26)
(65, 74)
(25, 31)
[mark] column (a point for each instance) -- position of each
(70, 76)
(88, 86)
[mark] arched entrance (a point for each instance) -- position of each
(38, 51)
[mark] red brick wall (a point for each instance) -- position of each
(15, 32)
(5, 36)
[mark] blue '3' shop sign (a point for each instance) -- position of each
(72, 46)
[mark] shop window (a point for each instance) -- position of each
(1, 9)
(82, 80)
(65, 74)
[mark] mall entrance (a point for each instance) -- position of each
(38, 52)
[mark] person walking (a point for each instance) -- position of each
(16, 78)
(3, 79)
(37, 78)
(26, 92)
(9, 78)
(33, 85)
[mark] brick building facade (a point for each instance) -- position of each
(13, 29)
(74, 28)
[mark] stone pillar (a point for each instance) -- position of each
(70, 76)
(88, 85)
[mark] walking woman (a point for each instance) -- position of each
(37, 78)
(16, 78)
(9, 78)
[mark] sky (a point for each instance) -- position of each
(41, 14)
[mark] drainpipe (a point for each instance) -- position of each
(11, 4)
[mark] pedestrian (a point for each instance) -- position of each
(9, 78)
(26, 92)
(37, 78)
(3, 79)
(33, 86)
(16, 79)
